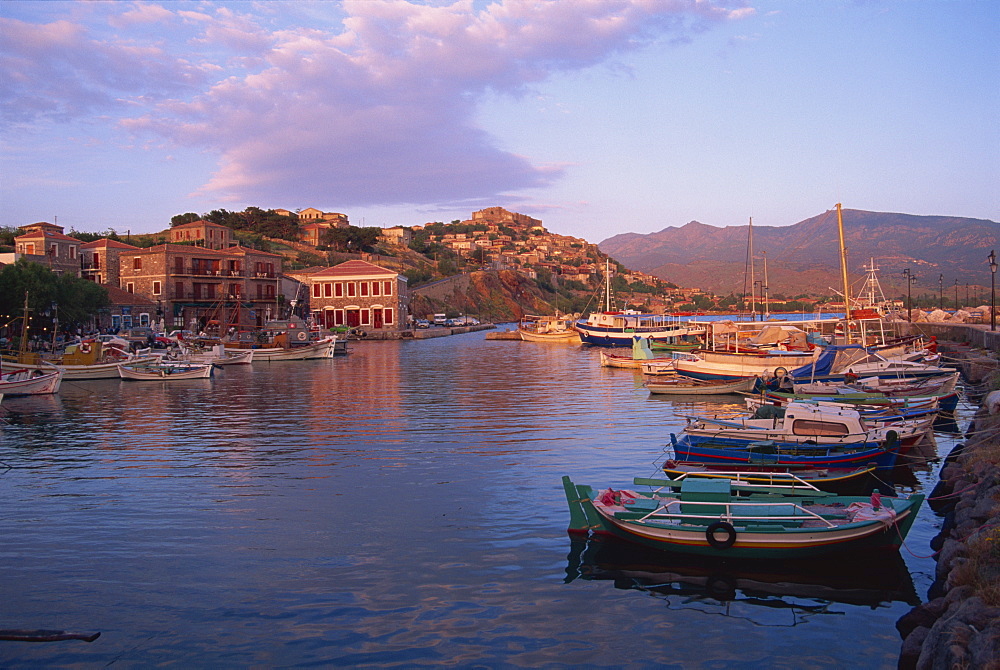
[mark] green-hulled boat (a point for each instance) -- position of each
(709, 517)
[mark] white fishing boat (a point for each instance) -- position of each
(548, 329)
(733, 365)
(84, 361)
(810, 423)
(164, 371)
(217, 355)
(325, 348)
(680, 385)
(31, 382)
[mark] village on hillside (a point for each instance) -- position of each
(198, 273)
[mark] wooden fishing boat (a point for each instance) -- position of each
(805, 422)
(84, 361)
(165, 371)
(846, 481)
(733, 365)
(31, 382)
(737, 451)
(947, 402)
(641, 354)
(217, 355)
(325, 348)
(681, 385)
(548, 329)
(705, 517)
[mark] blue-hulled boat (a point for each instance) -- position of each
(732, 450)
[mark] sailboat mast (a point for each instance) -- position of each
(763, 291)
(843, 264)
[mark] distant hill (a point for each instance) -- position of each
(804, 257)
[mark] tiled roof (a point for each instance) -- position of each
(46, 234)
(353, 269)
(107, 243)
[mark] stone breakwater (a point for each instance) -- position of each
(959, 626)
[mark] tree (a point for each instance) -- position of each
(78, 300)
(181, 219)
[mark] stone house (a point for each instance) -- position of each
(358, 294)
(398, 235)
(238, 287)
(46, 244)
(211, 235)
(100, 260)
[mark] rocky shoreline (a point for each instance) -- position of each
(959, 626)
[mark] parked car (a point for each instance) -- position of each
(109, 341)
(422, 323)
(140, 336)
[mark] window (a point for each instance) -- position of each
(179, 290)
(72, 252)
(351, 289)
(327, 290)
(809, 427)
(144, 319)
(376, 288)
(137, 262)
(364, 289)
(269, 291)
(235, 290)
(387, 287)
(316, 290)
(366, 318)
(387, 315)
(178, 265)
(130, 287)
(156, 288)
(97, 260)
(338, 317)
(338, 289)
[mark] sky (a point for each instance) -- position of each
(598, 117)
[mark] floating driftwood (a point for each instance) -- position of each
(20, 635)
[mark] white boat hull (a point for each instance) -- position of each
(322, 349)
(165, 372)
(82, 372)
(30, 382)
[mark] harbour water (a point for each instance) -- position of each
(397, 507)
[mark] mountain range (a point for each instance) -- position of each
(942, 252)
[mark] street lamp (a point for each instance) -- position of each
(910, 278)
(941, 292)
(993, 289)
(956, 295)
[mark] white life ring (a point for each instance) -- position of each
(85, 347)
(302, 336)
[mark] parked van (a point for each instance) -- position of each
(440, 319)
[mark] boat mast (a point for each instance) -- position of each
(763, 291)
(607, 284)
(843, 266)
(748, 271)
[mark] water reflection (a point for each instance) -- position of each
(804, 587)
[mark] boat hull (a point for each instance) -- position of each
(30, 382)
(165, 373)
(78, 373)
(735, 451)
(760, 541)
(326, 348)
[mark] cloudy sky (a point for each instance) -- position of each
(597, 116)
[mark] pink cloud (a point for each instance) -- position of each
(380, 112)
